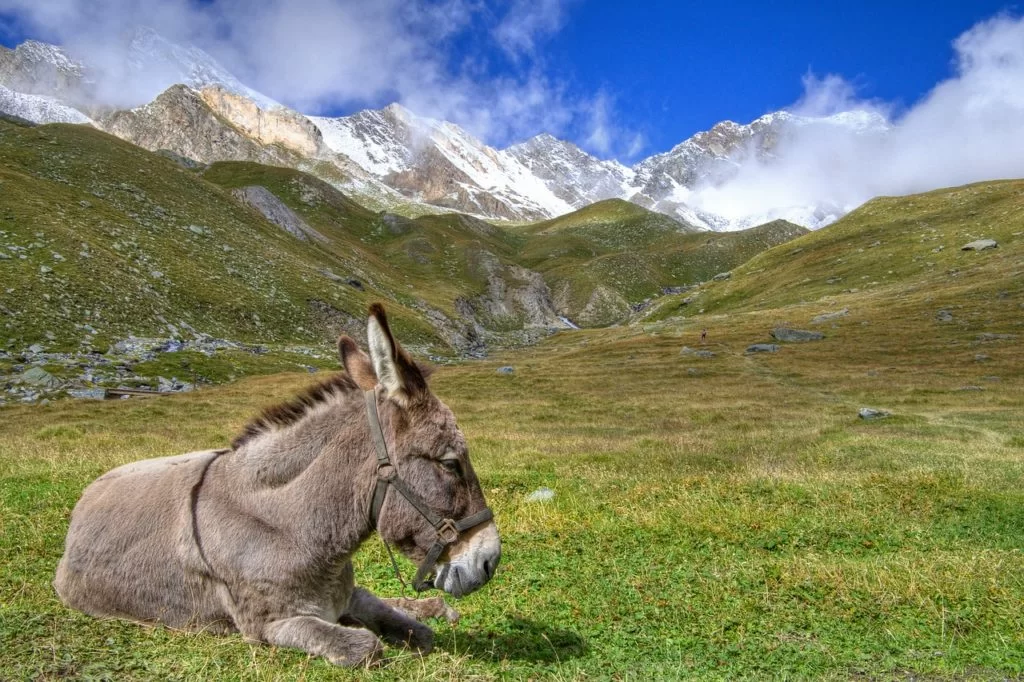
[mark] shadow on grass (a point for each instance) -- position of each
(519, 639)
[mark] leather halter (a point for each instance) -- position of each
(448, 531)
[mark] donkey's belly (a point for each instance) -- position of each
(130, 550)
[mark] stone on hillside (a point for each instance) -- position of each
(507, 369)
(37, 376)
(989, 336)
(870, 413)
(706, 354)
(980, 245)
(944, 316)
(88, 393)
(763, 348)
(981, 357)
(326, 272)
(722, 275)
(35, 348)
(795, 335)
(828, 317)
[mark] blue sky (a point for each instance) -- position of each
(622, 80)
(676, 68)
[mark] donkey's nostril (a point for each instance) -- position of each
(490, 565)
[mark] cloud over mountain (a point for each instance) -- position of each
(439, 58)
(969, 127)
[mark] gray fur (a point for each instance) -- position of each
(259, 539)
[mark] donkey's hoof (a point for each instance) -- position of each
(364, 650)
(421, 638)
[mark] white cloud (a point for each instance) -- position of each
(526, 22)
(968, 128)
(437, 57)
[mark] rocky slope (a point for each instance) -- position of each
(441, 164)
(390, 158)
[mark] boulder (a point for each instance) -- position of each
(869, 413)
(88, 393)
(507, 369)
(721, 276)
(763, 348)
(37, 376)
(795, 335)
(944, 316)
(980, 245)
(828, 317)
(706, 354)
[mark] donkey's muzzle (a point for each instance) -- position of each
(472, 563)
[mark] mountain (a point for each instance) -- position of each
(38, 108)
(101, 240)
(182, 100)
(35, 68)
(439, 163)
(665, 182)
(571, 174)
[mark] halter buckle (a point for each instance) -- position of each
(448, 532)
(386, 471)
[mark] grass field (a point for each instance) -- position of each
(728, 517)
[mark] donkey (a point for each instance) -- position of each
(258, 538)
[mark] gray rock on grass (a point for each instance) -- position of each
(869, 413)
(763, 348)
(795, 335)
(37, 376)
(980, 245)
(828, 317)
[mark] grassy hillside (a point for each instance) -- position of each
(103, 240)
(891, 246)
(604, 258)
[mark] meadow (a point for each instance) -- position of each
(727, 517)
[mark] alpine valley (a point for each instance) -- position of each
(211, 232)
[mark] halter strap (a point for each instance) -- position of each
(448, 530)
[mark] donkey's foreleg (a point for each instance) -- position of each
(394, 626)
(340, 645)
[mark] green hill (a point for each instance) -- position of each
(612, 255)
(101, 240)
(891, 247)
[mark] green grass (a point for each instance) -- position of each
(721, 518)
(714, 518)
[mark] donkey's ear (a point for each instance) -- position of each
(356, 363)
(394, 368)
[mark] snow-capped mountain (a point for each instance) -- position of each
(570, 173)
(38, 108)
(393, 159)
(41, 69)
(439, 163)
(159, 63)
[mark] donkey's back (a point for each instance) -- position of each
(130, 549)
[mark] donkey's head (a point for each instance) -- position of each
(429, 457)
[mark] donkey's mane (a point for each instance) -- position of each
(291, 411)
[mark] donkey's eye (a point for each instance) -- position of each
(452, 465)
